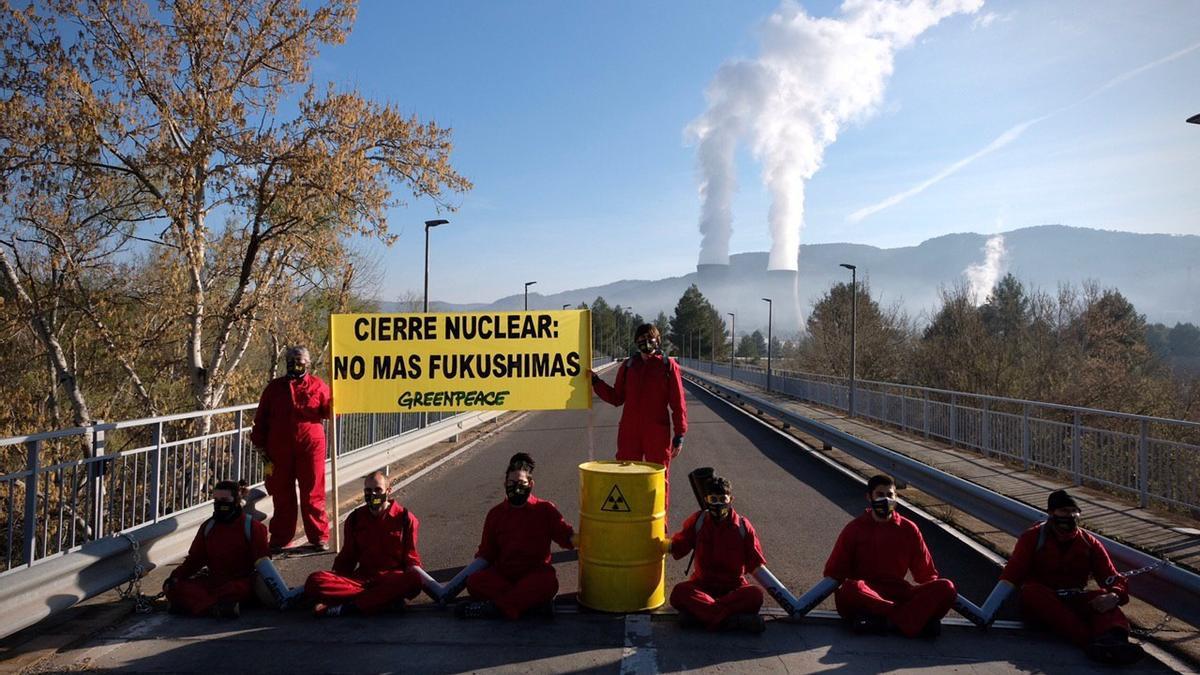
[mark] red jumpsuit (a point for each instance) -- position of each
(516, 544)
(288, 425)
(647, 388)
(726, 550)
(230, 561)
(373, 569)
(1065, 564)
(871, 559)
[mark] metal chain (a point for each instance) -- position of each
(142, 603)
(1147, 632)
(1133, 573)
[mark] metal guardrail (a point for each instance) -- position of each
(1169, 587)
(30, 593)
(1150, 459)
(140, 471)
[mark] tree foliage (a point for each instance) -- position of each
(180, 199)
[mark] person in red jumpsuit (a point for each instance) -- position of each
(226, 546)
(726, 549)
(872, 555)
(1051, 564)
(516, 547)
(288, 429)
(375, 569)
(650, 389)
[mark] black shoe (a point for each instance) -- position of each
(931, 629)
(544, 610)
(477, 610)
(1115, 650)
(227, 610)
(688, 621)
(746, 623)
(319, 545)
(869, 625)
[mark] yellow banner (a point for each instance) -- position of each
(461, 361)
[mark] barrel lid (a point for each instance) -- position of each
(613, 466)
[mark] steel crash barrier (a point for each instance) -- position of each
(1164, 585)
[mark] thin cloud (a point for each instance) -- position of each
(1008, 137)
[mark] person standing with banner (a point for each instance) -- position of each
(649, 389)
(288, 429)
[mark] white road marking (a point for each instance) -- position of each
(640, 655)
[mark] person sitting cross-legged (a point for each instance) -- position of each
(378, 567)
(514, 551)
(872, 555)
(717, 596)
(218, 573)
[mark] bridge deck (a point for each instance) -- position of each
(797, 502)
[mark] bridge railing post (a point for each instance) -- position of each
(237, 448)
(925, 414)
(156, 473)
(1144, 463)
(97, 470)
(985, 430)
(953, 420)
(1025, 436)
(33, 453)
(1076, 450)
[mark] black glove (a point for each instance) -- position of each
(677, 443)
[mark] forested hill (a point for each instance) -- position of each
(1158, 273)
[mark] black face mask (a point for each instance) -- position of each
(649, 346)
(518, 495)
(1065, 524)
(225, 512)
(375, 500)
(296, 370)
(883, 507)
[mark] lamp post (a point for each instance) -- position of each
(732, 339)
(429, 224)
(853, 328)
(712, 365)
(527, 285)
(566, 305)
(770, 311)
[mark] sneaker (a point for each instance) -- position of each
(322, 610)
(477, 610)
(227, 610)
(869, 625)
(746, 623)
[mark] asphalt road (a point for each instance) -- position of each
(797, 503)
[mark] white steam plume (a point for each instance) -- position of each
(812, 76)
(983, 276)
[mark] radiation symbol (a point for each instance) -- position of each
(616, 501)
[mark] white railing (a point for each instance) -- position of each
(1151, 459)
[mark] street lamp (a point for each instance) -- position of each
(712, 365)
(527, 285)
(1194, 119)
(770, 310)
(732, 339)
(566, 305)
(853, 328)
(429, 224)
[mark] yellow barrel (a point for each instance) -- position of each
(622, 517)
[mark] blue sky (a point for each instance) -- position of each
(569, 118)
